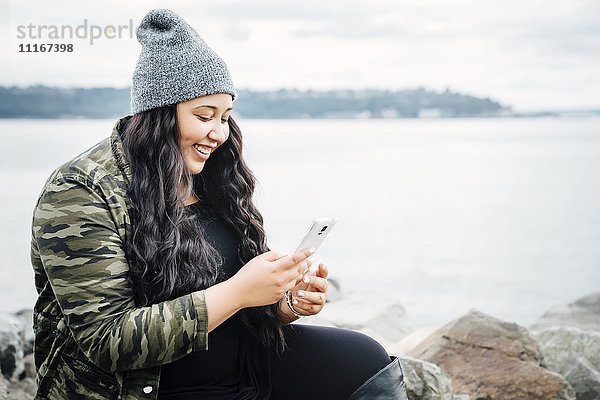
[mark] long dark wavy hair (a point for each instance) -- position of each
(168, 253)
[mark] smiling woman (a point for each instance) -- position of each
(203, 126)
(152, 266)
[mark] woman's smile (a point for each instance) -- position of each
(203, 151)
(203, 127)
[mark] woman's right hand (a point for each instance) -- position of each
(265, 279)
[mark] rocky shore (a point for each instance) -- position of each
(473, 357)
(478, 356)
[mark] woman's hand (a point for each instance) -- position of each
(309, 295)
(266, 278)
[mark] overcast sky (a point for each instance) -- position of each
(529, 54)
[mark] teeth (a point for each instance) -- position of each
(202, 149)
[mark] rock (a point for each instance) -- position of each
(387, 323)
(29, 364)
(24, 390)
(334, 290)
(11, 347)
(425, 381)
(586, 380)
(3, 388)
(583, 313)
(575, 354)
(25, 319)
(411, 340)
(491, 359)
(28, 387)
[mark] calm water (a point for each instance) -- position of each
(442, 215)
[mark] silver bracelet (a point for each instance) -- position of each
(288, 300)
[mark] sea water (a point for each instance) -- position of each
(441, 215)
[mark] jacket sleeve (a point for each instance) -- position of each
(77, 236)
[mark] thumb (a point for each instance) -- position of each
(272, 255)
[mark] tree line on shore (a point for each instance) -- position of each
(106, 102)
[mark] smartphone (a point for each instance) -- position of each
(318, 231)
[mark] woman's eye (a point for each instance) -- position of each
(206, 119)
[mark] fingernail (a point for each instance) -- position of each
(300, 293)
(295, 302)
(312, 250)
(306, 279)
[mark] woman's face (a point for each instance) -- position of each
(203, 127)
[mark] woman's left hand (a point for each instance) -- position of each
(310, 294)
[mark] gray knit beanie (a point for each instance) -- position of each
(175, 64)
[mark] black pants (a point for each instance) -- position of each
(324, 363)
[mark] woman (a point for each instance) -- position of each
(151, 263)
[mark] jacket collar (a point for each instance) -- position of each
(116, 144)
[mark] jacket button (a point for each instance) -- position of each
(147, 389)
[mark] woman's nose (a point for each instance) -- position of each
(218, 133)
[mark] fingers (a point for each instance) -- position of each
(323, 271)
(299, 279)
(300, 259)
(272, 255)
(317, 283)
(310, 298)
(280, 255)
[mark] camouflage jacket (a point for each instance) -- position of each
(91, 341)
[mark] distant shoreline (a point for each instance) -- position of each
(36, 102)
(106, 102)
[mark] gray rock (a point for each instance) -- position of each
(29, 363)
(583, 313)
(334, 290)
(18, 390)
(386, 322)
(575, 354)
(11, 347)
(3, 388)
(28, 387)
(585, 380)
(25, 319)
(425, 381)
(411, 341)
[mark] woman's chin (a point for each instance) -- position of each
(196, 168)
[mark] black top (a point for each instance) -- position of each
(235, 366)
